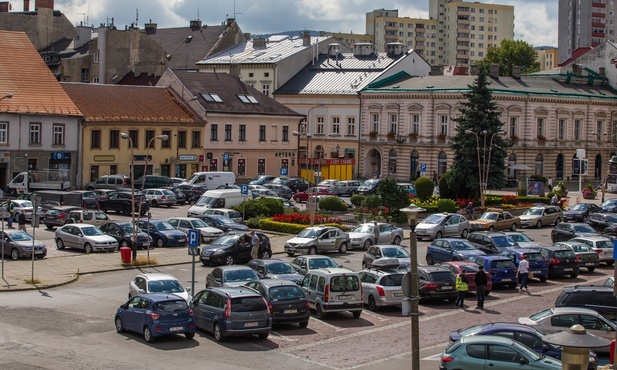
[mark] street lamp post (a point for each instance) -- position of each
(132, 169)
(483, 168)
(604, 175)
(143, 178)
(323, 153)
(7, 96)
(307, 136)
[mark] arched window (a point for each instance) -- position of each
(415, 165)
(442, 164)
(392, 163)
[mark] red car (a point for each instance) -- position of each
(470, 270)
(318, 190)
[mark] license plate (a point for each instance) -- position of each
(589, 264)
(447, 287)
(506, 279)
(536, 272)
(345, 297)
(398, 294)
(205, 257)
(250, 324)
(568, 269)
(288, 312)
(144, 244)
(176, 328)
(182, 240)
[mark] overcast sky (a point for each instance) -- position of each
(535, 20)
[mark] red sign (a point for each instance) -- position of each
(202, 158)
(326, 161)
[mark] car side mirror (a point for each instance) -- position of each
(141, 291)
(188, 290)
(523, 361)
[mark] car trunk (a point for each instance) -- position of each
(249, 312)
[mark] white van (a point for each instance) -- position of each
(212, 179)
(221, 198)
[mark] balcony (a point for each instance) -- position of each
(595, 4)
(598, 15)
(463, 13)
(598, 34)
(463, 38)
(462, 47)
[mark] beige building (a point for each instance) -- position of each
(547, 57)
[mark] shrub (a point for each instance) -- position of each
(509, 199)
(536, 177)
(445, 191)
(446, 205)
(260, 207)
(304, 219)
(424, 188)
(282, 227)
(357, 199)
(253, 222)
(332, 204)
(400, 218)
(372, 201)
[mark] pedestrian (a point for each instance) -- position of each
(470, 210)
(375, 231)
(435, 178)
(481, 280)
(550, 184)
(462, 286)
(21, 221)
(254, 245)
(523, 274)
(10, 208)
(555, 200)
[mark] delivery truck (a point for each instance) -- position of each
(29, 181)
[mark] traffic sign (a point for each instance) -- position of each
(422, 167)
(193, 252)
(244, 189)
(226, 156)
(284, 171)
(193, 238)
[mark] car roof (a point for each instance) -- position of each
(385, 271)
(486, 339)
(161, 297)
(489, 233)
(81, 226)
(570, 309)
(509, 325)
(599, 237)
(494, 257)
(312, 257)
(234, 267)
(334, 270)
(588, 287)
(522, 250)
(434, 268)
(554, 248)
(62, 208)
(234, 292)
(277, 282)
(157, 276)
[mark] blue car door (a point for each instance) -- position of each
(137, 313)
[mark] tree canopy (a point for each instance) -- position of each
(512, 53)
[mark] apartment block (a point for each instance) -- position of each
(547, 56)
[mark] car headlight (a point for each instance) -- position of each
(218, 252)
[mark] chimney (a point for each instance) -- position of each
(394, 48)
(494, 70)
(363, 48)
(230, 21)
(150, 28)
(4, 7)
(516, 72)
(43, 4)
(334, 49)
(26, 5)
(247, 36)
(259, 42)
(474, 69)
(306, 38)
(195, 25)
(577, 69)
(234, 71)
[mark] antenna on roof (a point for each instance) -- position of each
(235, 10)
(136, 17)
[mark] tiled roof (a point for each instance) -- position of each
(227, 88)
(24, 74)
(120, 103)
(343, 75)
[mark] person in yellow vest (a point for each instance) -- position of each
(462, 286)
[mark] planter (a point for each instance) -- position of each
(589, 196)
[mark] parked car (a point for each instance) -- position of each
(275, 269)
(538, 266)
(160, 197)
(436, 282)
(175, 181)
(120, 201)
(153, 182)
(280, 190)
(478, 351)
(363, 235)
(21, 205)
(82, 216)
(230, 312)
(382, 287)
(162, 233)
(155, 315)
(347, 187)
(376, 252)
(230, 276)
(18, 244)
(602, 245)
(492, 242)
(156, 282)
(58, 216)
(234, 215)
(333, 290)
(233, 248)
(409, 188)
(314, 191)
(566, 231)
(522, 239)
(557, 319)
(368, 187)
(540, 216)
(501, 268)
(184, 224)
(192, 192)
(109, 182)
(257, 193)
(496, 220)
(581, 211)
(286, 301)
(262, 179)
(122, 231)
(181, 198)
(609, 205)
(441, 225)
(304, 264)
(318, 239)
(561, 261)
(598, 298)
(585, 255)
(330, 183)
(221, 222)
(83, 236)
(442, 250)
(89, 199)
(600, 221)
(470, 270)
(296, 184)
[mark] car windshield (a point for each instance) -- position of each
(280, 268)
(344, 283)
(165, 286)
(473, 330)
(20, 236)
(584, 228)
(318, 263)
(604, 244)
(469, 268)
(565, 254)
(581, 248)
(240, 275)
(533, 212)
(520, 238)
(162, 226)
(489, 216)
(611, 218)
(368, 183)
(433, 219)
(392, 280)
(92, 231)
(199, 223)
(309, 233)
(127, 227)
(528, 352)
(207, 201)
(367, 229)
(225, 240)
(223, 220)
(540, 315)
(578, 207)
(26, 203)
(172, 306)
(504, 241)
(248, 304)
(395, 253)
(462, 245)
(285, 293)
(534, 256)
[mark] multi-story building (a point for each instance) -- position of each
(547, 57)
(585, 24)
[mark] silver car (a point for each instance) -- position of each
(157, 283)
(229, 213)
(160, 197)
(83, 236)
(318, 239)
(18, 244)
(442, 225)
(381, 287)
(539, 216)
(522, 239)
(363, 237)
(184, 224)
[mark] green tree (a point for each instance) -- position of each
(392, 196)
(479, 115)
(424, 188)
(512, 53)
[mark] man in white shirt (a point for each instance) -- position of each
(523, 274)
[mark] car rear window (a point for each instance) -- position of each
(564, 254)
(392, 280)
(502, 264)
(248, 304)
(534, 256)
(344, 283)
(440, 276)
(285, 293)
(172, 306)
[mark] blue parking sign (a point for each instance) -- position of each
(193, 238)
(244, 189)
(284, 171)
(226, 156)
(422, 167)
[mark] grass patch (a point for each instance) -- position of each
(33, 282)
(144, 261)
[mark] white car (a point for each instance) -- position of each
(363, 237)
(20, 205)
(158, 283)
(83, 236)
(184, 224)
(229, 213)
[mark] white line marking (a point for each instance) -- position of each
(378, 317)
(334, 327)
(280, 336)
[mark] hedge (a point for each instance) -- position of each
(288, 228)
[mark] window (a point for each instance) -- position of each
(95, 57)
(247, 99)
(4, 132)
(443, 124)
(375, 120)
(540, 128)
(95, 138)
(415, 123)
(85, 75)
(214, 132)
(320, 124)
(114, 138)
(561, 129)
(262, 132)
(266, 74)
(265, 89)
(600, 127)
(351, 125)
(393, 119)
(227, 132)
(513, 126)
(285, 133)
(181, 139)
(166, 143)
(58, 134)
(35, 133)
(242, 133)
(336, 125)
(241, 166)
(113, 169)
(196, 139)
(149, 137)
(211, 97)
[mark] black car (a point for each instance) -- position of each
(565, 231)
(492, 242)
(600, 221)
(288, 303)
(233, 248)
(561, 261)
(609, 205)
(599, 298)
(192, 192)
(221, 222)
(581, 211)
(436, 282)
(180, 196)
(275, 269)
(281, 190)
(296, 184)
(123, 233)
(120, 201)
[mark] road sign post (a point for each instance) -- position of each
(244, 191)
(193, 244)
(36, 201)
(4, 216)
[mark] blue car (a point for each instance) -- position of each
(538, 266)
(155, 315)
(451, 249)
(502, 269)
(163, 234)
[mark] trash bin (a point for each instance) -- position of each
(125, 254)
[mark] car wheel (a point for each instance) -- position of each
(12, 192)
(189, 336)
(265, 255)
(49, 227)
(343, 248)
(557, 221)
(59, 243)
(290, 254)
(148, 334)
(154, 203)
(397, 240)
(303, 324)
(119, 325)
(438, 235)
(591, 269)
(312, 250)
(229, 259)
(160, 243)
(573, 275)
(492, 228)
(513, 227)
(367, 244)
(610, 263)
(319, 312)
(218, 334)
(372, 304)
(124, 243)
(298, 199)
(14, 254)
(429, 260)
(464, 233)
(356, 314)
(88, 248)
(126, 210)
(538, 224)
(543, 279)
(487, 292)
(263, 335)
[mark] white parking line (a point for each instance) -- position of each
(378, 317)
(280, 336)
(334, 327)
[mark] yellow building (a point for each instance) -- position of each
(547, 56)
